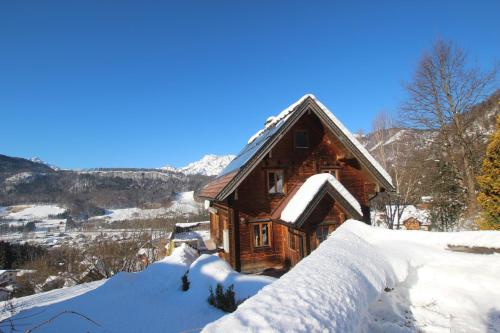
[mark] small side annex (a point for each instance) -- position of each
(295, 182)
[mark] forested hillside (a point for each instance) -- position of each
(88, 192)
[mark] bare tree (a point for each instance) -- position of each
(443, 89)
(392, 151)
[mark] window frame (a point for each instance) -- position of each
(283, 187)
(320, 230)
(269, 234)
(306, 136)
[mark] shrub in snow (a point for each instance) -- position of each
(224, 300)
(185, 282)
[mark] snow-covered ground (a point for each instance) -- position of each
(147, 301)
(17, 305)
(361, 279)
(366, 279)
(184, 204)
(42, 214)
(30, 212)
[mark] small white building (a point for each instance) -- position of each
(7, 276)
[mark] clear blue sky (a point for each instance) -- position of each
(149, 83)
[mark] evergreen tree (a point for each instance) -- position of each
(489, 183)
(448, 197)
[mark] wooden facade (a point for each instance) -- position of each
(246, 225)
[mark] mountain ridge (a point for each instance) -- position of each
(208, 165)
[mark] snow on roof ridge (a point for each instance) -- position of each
(282, 115)
(308, 191)
(355, 141)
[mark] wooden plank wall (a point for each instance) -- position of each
(254, 203)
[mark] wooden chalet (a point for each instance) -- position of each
(270, 206)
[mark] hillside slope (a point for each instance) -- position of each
(86, 192)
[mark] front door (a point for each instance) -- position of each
(296, 246)
(319, 235)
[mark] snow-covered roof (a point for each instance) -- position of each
(409, 211)
(308, 191)
(256, 141)
(264, 138)
(190, 224)
(354, 141)
(284, 115)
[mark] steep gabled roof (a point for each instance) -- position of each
(265, 139)
(310, 194)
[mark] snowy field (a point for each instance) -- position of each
(366, 279)
(147, 301)
(42, 215)
(30, 212)
(184, 204)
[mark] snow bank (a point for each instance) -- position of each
(328, 290)
(441, 240)
(147, 301)
(46, 298)
(488, 239)
(208, 270)
(341, 287)
(308, 191)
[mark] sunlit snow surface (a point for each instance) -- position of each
(183, 204)
(147, 301)
(307, 191)
(30, 212)
(361, 279)
(341, 287)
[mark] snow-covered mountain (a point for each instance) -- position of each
(209, 165)
(36, 159)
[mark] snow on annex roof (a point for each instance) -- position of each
(301, 200)
(409, 211)
(273, 125)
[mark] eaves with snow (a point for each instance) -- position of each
(296, 211)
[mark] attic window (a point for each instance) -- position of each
(301, 139)
(275, 182)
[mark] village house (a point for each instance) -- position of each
(295, 182)
(8, 278)
(415, 218)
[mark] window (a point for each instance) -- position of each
(275, 182)
(261, 234)
(322, 233)
(301, 139)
